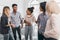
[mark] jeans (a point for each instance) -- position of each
(14, 32)
(6, 36)
(41, 36)
(28, 31)
(10, 35)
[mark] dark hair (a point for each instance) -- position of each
(5, 8)
(14, 5)
(43, 6)
(31, 9)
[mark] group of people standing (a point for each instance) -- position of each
(48, 22)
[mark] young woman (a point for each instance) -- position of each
(52, 31)
(29, 19)
(5, 25)
(42, 20)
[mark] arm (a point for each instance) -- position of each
(26, 21)
(4, 22)
(34, 19)
(21, 20)
(12, 25)
(38, 21)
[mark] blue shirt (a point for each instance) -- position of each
(16, 19)
(42, 20)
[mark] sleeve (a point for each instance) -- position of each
(34, 19)
(38, 20)
(20, 17)
(50, 30)
(11, 18)
(4, 22)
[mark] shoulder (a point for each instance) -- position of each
(3, 17)
(11, 13)
(18, 12)
(40, 15)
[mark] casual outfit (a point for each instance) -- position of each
(42, 20)
(16, 20)
(4, 28)
(10, 35)
(29, 29)
(53, 27)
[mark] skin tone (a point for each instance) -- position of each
(7, 13)
(41, 10)
(15, 9)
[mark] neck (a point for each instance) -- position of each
(14, 12)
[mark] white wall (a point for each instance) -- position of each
(10, 2)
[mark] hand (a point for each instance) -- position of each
(13, 25)
(8, 25)
(21, 25)
(39, 26)
(29, 23)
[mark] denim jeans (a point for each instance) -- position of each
(18, 31)
(6, 36)
(28, 31)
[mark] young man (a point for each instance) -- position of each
(42, 20)
(16, 21)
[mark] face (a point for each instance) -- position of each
(15, 8)
(28, 12)
(41, 9)
(7, 11)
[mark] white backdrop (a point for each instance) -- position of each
(10, 2)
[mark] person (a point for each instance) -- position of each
(5, 25)
(41, 21)
(52, 31)
(29, 19)
(16, 22)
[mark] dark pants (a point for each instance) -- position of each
(14, 32)
(50, 39)
(41, 37)
(10, 37)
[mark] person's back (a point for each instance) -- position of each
(53, 26)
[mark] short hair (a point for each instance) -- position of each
(14, 5)
(43, 6)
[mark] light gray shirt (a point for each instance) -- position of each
(16, 19)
